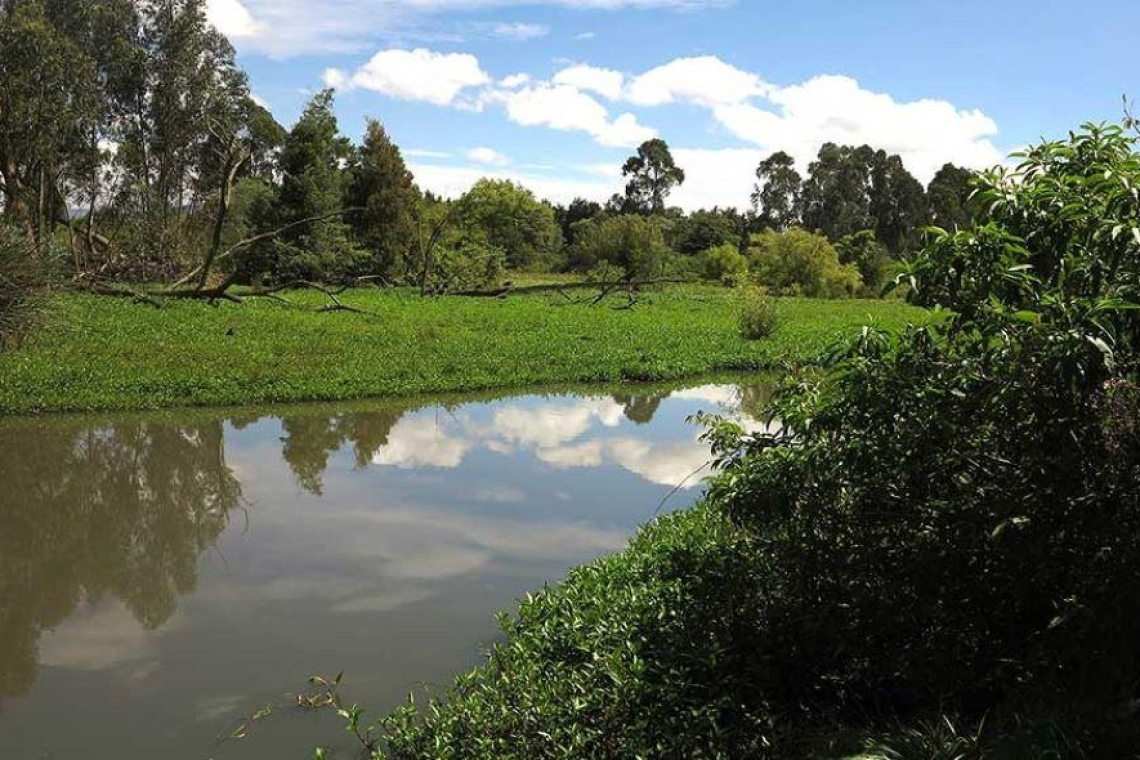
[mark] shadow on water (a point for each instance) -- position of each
(384, 536)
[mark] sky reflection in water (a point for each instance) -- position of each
(161, 576)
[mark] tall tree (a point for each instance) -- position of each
(836, 195)
(898, 204)
(312, 185)
(776, 196)
(383, 188)
(652, 176)
(48, 100)
(949, 195)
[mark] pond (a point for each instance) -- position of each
(165, 576)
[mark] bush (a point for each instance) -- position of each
(798, 262)
(632, 243)
(723, 263)
(509, 217)
(21, 279)
(863, 251)
(756, 313)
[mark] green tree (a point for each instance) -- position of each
(798, 262)
(897, 203)
(949, 195)
(836, 194)
(635, 245)
(48, 101)
(509, 217)
(776, 196)
(383, 187)
(579, 209)
(863, 251)
(313, 184)
(723, 263)
(702, 230)
(652, 176)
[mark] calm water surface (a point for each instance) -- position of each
(162, 577)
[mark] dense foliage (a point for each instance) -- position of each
(935, 553)
(798, 262)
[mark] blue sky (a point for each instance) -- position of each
(556, 93)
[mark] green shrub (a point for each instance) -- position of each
(798, 262)
(21, 279)
(756, 313)
(632, 243)
(723, 263)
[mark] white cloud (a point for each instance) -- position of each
(488, 156)
(515, 80)
(675, 464)
(925, 133)
(586, 36)
(232, 19)
(563, 107)
(605, 82)
(422, 442)
(707, 81)
(419, 74)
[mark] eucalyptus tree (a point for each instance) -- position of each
(950, 196)
(48, 100)
(776, 195)
(652, 174)
(897, 202)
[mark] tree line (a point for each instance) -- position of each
(131, 149)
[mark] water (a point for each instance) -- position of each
(162, 577)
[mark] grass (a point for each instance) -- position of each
(101, 353)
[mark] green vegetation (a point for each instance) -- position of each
(757, 313)
(104, 353)
(798, 262)
(936, 555)
(21, 279)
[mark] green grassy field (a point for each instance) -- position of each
(96, 352)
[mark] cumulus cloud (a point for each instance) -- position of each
(232, 19)
(926, 133)
(419, 74)
(706, 80)
(563, 107)
(488, 156)
(605, 82)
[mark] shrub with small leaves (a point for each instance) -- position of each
(756, 312)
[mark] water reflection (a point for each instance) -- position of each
(159, 574)
(123, 510)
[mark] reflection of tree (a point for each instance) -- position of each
(310, 440)
(87, 511)
(755, 398)
(640, 409)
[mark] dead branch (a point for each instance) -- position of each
(606, 287)
(247, 242)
